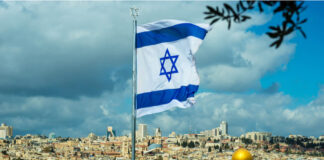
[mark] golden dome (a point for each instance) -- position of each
(242, 154)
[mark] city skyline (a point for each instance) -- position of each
(142, 131)
(69, 75)
(175, 146)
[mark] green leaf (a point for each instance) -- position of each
(214, 21)
(276, 43)
(230, 9)
(245, 18)
(275, 28)
(211, 9)
(242, 6)
(270, 3)
(273, 35)
(280, 8)
(303, 33)
(289, 30)
(300, 5)
(303, 21)
(260, 7)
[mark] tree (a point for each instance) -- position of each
(197, 144)
(226, 146)
(310, 145)
(191, 144)
(4, 152)
(287, 151)
(177, 143)
(290, 12)
(209, 149)
(184, 144)
(277, 146)
(265, 147)
(271, 141)
(246, 140)
(290, 141)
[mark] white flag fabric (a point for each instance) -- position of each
(166, 71)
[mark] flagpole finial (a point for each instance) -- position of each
(134, 12)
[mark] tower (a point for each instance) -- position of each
(110, 132)
(158, 132)
(5, 131)
(142, 130)
(224, 127)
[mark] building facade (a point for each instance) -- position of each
(224, 127)
(5, 131)
(258, 136)
(142, 130)
(110, 132)
(219, 132)
(158, 132)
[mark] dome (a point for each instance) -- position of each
(92, 136)
(52, 135)
(242, 154)
(153, 146)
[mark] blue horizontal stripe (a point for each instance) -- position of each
(165, 96)
(169, 34)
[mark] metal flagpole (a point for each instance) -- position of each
(134, 12)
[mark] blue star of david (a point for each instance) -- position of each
(173, 60)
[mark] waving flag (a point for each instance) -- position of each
(166, 71)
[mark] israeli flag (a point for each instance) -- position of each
(166, 71)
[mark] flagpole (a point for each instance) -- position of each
(134, 12)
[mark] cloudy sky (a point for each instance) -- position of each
(65, 67)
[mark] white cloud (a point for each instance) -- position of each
(104, 110)
(236, 59)
(246, 112)
(66, 67)
(42, 115)
(166, 122)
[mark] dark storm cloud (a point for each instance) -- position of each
(65, 117)
(73, 49)
(60, 54)
(65, 67)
